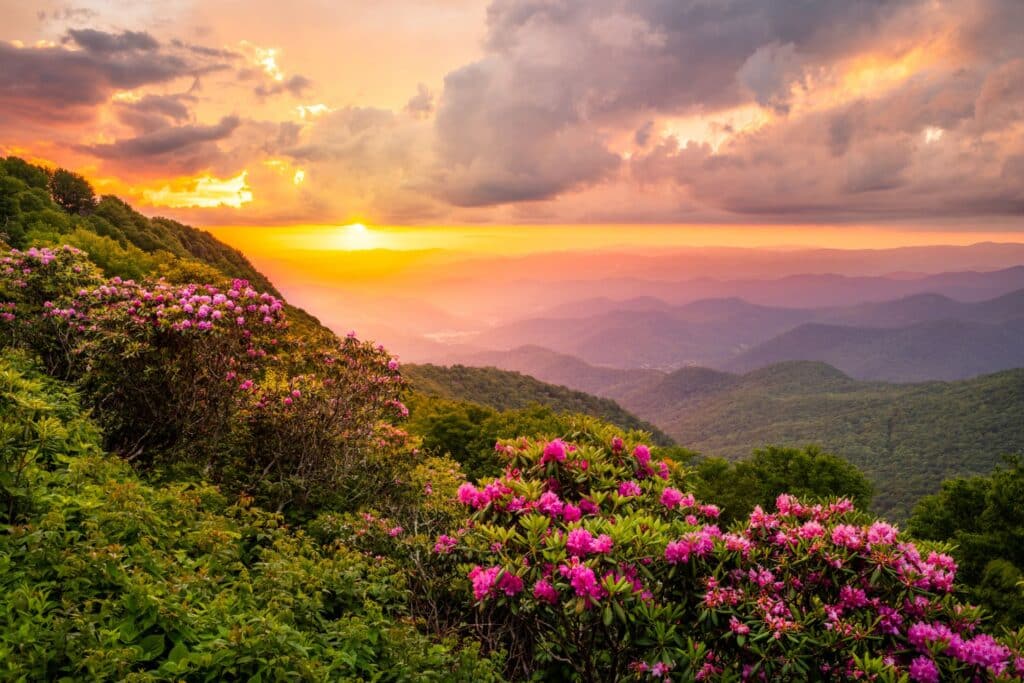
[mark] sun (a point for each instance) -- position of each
(356, 237)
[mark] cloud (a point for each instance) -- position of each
(163, 141)
(152, 112)
(296, 86)
(60, 83)
(101, 42)
(643, 134)
(420, 105)
(531, 120)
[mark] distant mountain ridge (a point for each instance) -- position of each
(914, 338)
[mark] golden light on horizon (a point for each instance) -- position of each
(357, 237)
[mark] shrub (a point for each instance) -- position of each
(209, 379)
(105, 577)
(587, 560)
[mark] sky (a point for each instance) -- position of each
(824, 122)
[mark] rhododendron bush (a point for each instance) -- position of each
(207, 376)
(590, 560)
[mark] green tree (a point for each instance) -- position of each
(984, 518)
(72, 192)
(807, 473)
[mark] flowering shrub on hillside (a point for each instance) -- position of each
(207, 377)
(593, 562)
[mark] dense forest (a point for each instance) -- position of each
(198, 482)
(907, 438)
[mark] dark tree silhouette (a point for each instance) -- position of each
(72, 192)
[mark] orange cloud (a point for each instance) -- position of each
(203, 192)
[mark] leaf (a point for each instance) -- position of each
(177, 653)
(152, 646)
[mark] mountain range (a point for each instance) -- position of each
(914, 338)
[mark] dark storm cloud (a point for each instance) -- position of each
(167, 140)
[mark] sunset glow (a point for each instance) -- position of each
(898, 120)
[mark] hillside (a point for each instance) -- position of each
(906, 437)
(503, 390)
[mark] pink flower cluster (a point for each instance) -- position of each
(696, 543)
(480, 498)
(981, 650)
(189, 307)
(581, 543)
(488, 582)
(804, 573)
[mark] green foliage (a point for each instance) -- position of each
(72, 192)
(119, 239)
(107, 578)
(467, 432)
(503, 390)
(983, 517)
(114, 259)
(907, 438)
(806, 473)
(40, 426)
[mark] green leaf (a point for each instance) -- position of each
(152, 646)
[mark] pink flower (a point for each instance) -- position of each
(445, 544)
(847, 535)
(629, 488)
(881, 533)
(660, 669)
(678, 551)
(617, 444)
(923, 670)
(395, 531)
(811, 529)
(663, 470)
(579, 542)
(510, 584)
(642, 455)
(550, 504)
(545, 592)
(571, 513)
(738, 627)
(712, 511)
(583, 581)
(671, 497)
(602, 544)
(483, 580)
(554, 450)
